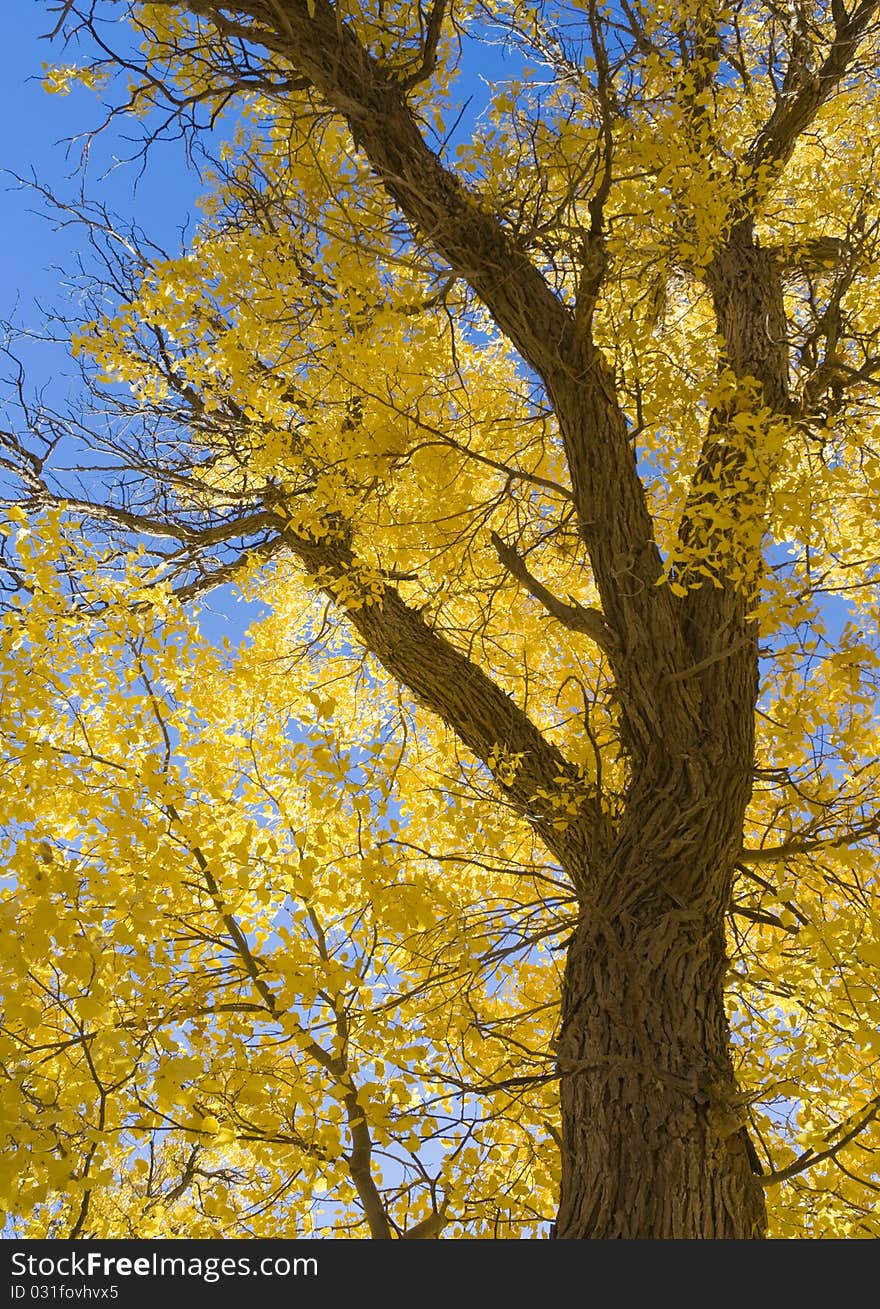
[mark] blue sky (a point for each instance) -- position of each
(44, 139)
(37, 259)
(35, 122)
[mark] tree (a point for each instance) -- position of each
(520, 865)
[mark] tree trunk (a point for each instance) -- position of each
(654, 1142)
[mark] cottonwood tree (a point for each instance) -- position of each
(520, 867)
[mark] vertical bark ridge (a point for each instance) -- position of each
(655, 1144)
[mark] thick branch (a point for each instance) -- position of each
(228, 572)
(433, 32)
(796, 109)
(530, 771)
(747, 291)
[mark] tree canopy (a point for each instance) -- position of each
(515, 871)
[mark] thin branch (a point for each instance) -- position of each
(574, 615)
(774, 854)
(850, 1128)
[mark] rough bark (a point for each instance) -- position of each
(654, 1143)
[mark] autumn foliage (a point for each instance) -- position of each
(525, 845)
